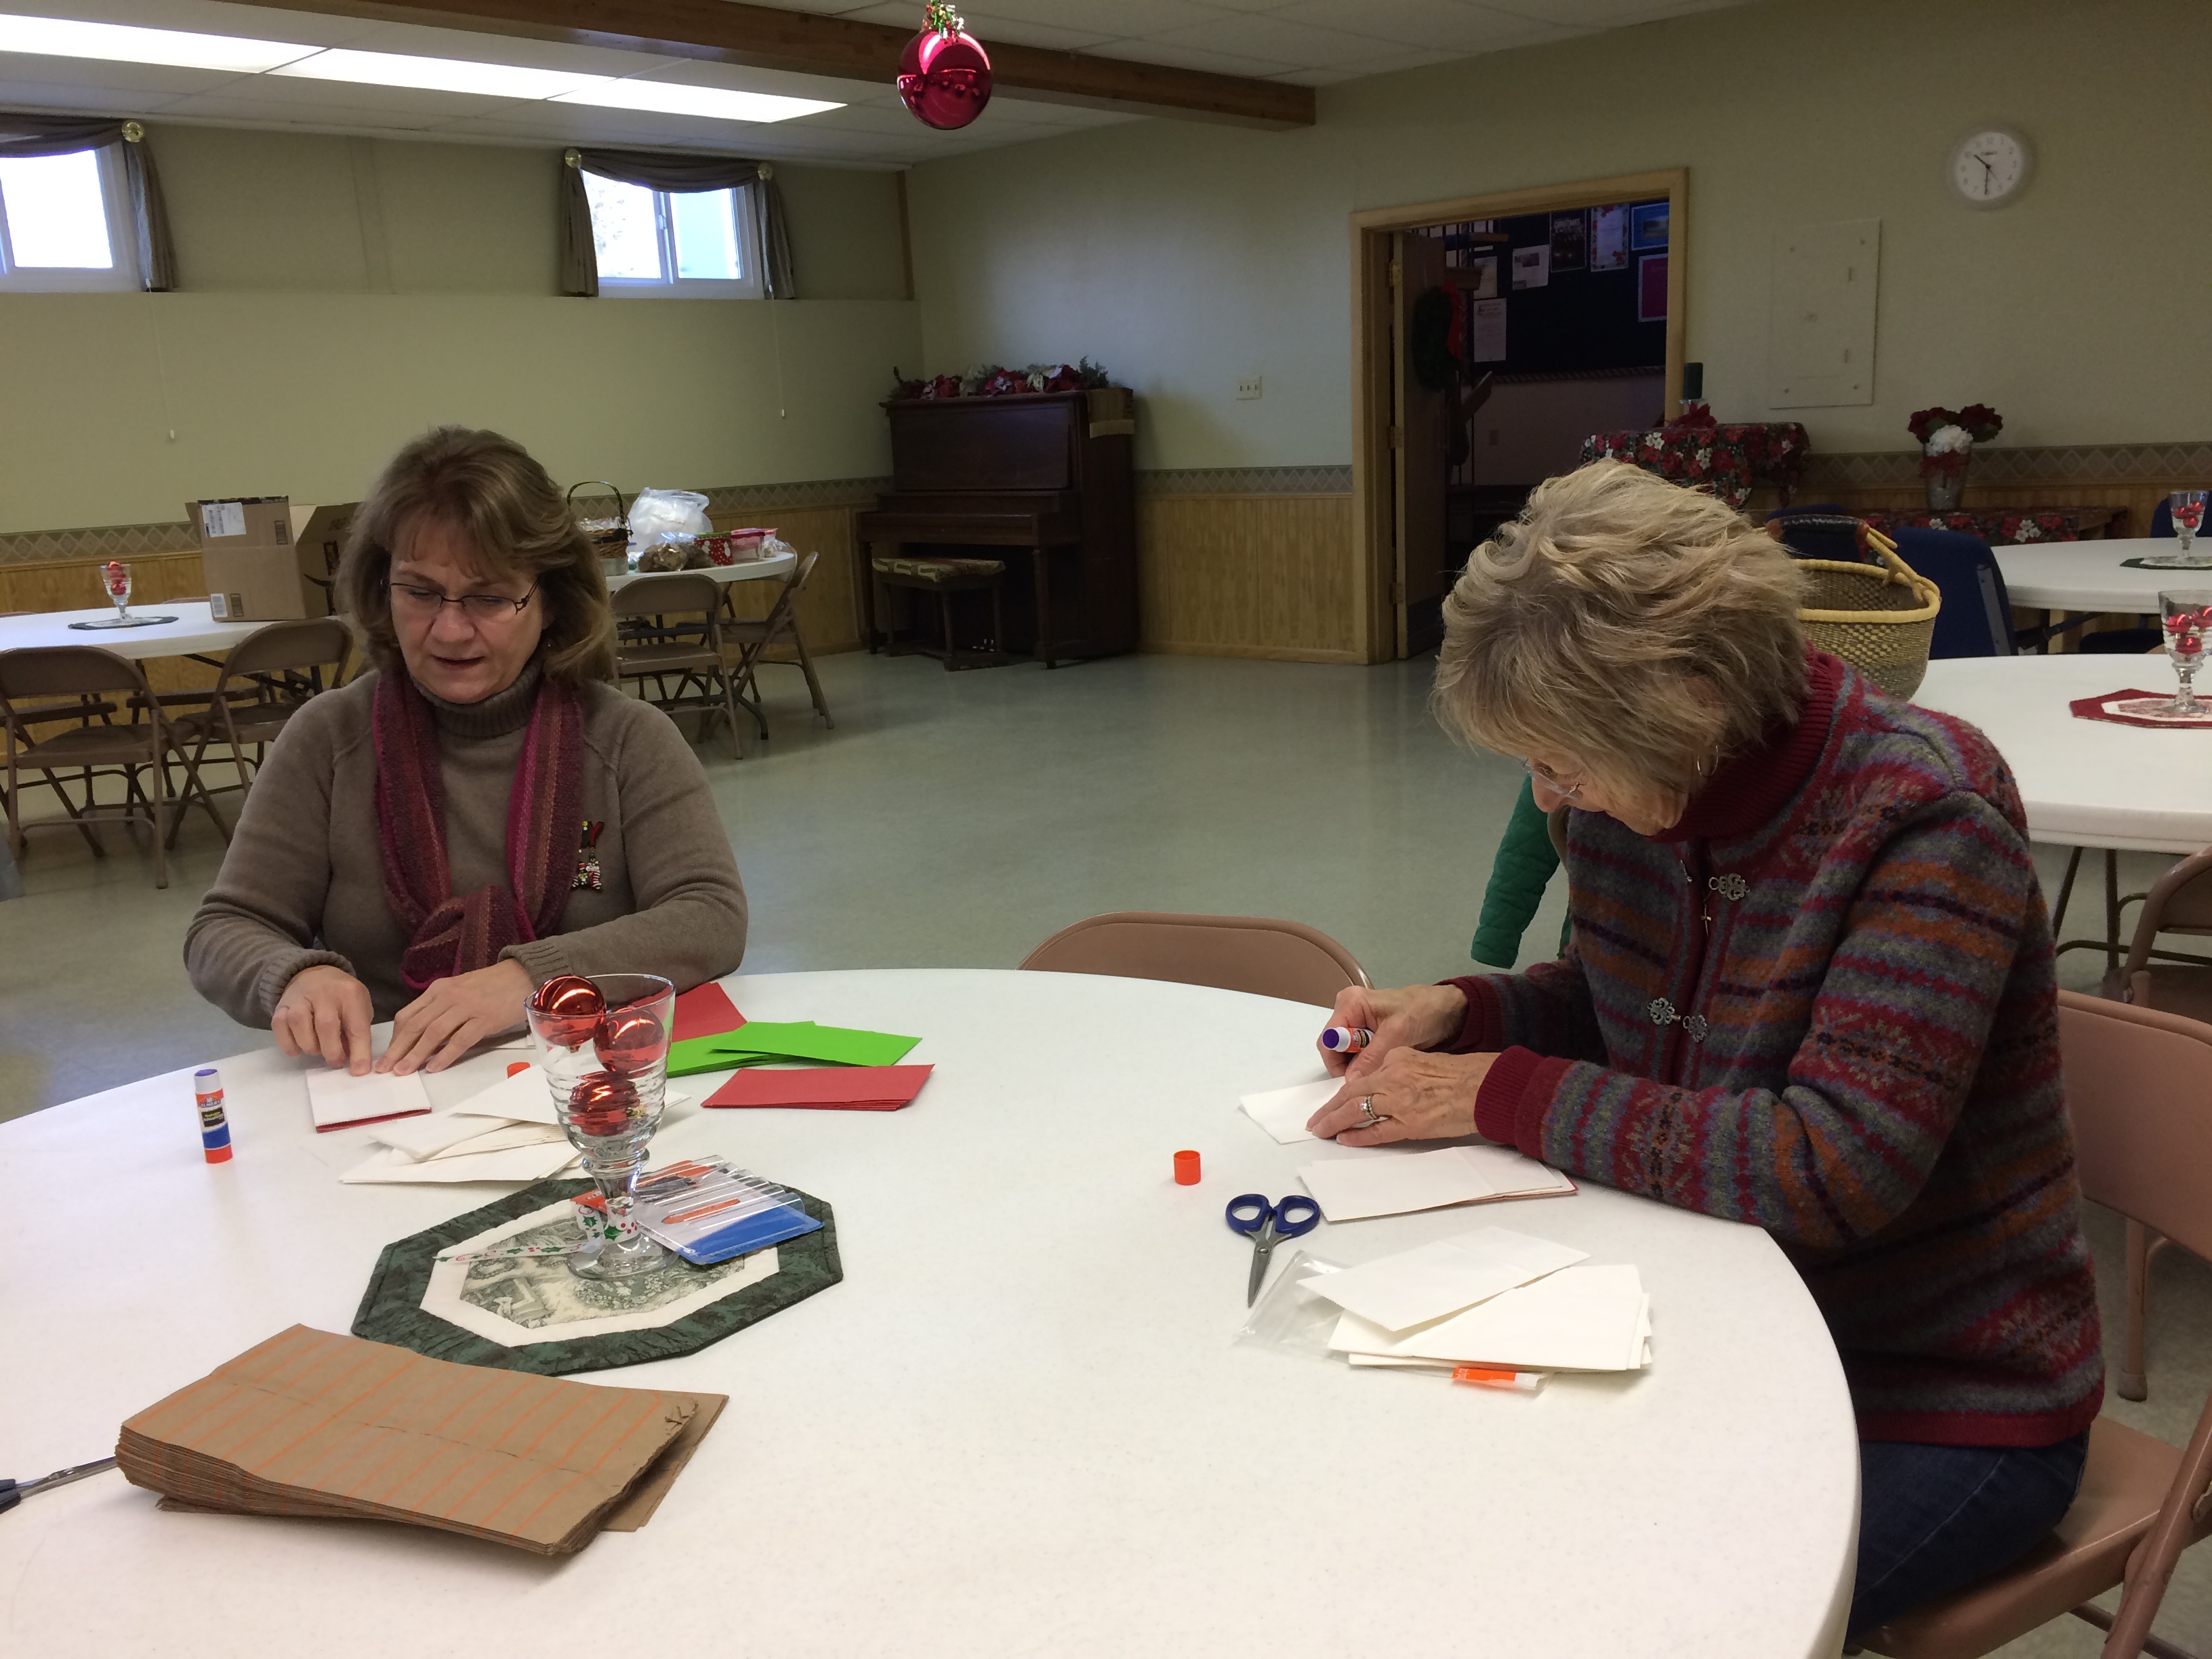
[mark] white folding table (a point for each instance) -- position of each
(1020, 1425)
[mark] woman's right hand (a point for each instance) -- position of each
(324, 1011)
(1411, 1016)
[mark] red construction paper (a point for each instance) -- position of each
(705, 1010)
(2134, 708)
(830, 1088)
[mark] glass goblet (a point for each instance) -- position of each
(2187, 615)
(608, 1068)
(2187, 507)
(115, 577)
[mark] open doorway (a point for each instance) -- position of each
(1492, 335)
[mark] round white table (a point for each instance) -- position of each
(194, 630)
(745, 570)
(2090, 576)
(2084, 783)
(1020, 1423)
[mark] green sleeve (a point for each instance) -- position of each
(1524, 864)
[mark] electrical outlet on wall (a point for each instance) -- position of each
(1249, 387)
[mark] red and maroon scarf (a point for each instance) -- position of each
(450, 934)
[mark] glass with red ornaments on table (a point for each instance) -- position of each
(2187, 615)
(602, 1044)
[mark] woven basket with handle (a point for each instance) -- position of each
(1878, 617)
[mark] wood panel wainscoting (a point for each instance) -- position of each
(2135, 477)
(1269, 576)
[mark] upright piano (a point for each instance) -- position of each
(1044, 476)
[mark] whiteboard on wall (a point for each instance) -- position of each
(1820, 341)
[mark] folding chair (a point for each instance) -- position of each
(266, 679)
(779, 627)
(2137, 1090)
(1266, 957)
(86, 672)
(649, 646)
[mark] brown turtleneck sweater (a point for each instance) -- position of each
(303, 881)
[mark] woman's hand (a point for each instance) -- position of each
(1411, 1096)
(324, 1011)
(454, 1015)
(1412, 1017)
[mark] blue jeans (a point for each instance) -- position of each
(1933, 1519)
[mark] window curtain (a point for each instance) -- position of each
(579, 262)
(25, 136)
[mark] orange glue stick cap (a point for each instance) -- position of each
(514, 1066)
(1186, 1169)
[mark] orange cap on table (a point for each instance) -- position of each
(1186, 1167)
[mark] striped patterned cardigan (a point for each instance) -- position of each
(1825, 1003)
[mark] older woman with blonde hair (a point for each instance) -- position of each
(1809, 986)
(482, 812)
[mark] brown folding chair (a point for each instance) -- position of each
(779, 627)
(2137, 1089)
(649, 647)
(86, 672)
(266, 679)
(1267, 957)
(2175, 982)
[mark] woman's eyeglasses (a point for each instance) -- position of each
(1552, 781)
(408, 600)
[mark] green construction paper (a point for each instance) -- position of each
(761, 1041)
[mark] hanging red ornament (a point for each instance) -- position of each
(945, 76)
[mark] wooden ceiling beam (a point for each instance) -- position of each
(762, 37)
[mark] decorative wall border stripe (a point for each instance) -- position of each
(1996, 463)
(1246, 481)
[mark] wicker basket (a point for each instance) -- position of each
(1880, 617)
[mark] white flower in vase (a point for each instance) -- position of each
(1949, 441)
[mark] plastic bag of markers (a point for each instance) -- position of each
(1292, 1317)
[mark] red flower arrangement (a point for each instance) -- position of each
(1947, 437)
(991, 380)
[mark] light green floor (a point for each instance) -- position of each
(956, 819)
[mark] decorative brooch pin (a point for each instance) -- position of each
(587, 857)
(1663, 1012)
(1730, 886)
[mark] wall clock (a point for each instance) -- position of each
(1990, 167)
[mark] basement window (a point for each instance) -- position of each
(673, 244)
(62, 224)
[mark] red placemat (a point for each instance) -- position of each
(2138, 708)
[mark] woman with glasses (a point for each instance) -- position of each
(1809, 986)
(483, 812)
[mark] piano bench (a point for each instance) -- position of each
(942, 577)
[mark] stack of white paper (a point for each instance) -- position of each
(1579, 1319)
(1352, 1188)
(506, 1132)
(1418, 1287)
(339, 1100)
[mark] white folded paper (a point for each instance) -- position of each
(1352, 1188)
(340, 1099)
(1283, 1112)
(522, 1098)
(1418, 1285)
(516, 1163)
(1579, 1319)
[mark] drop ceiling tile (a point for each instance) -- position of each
(204, 17)
(1436, 25)
(1275, 38)
(49, 97)
(230, 109)
(1177, 56)
(156, 80)
(423, 40)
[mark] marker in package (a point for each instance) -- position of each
(708, 1210)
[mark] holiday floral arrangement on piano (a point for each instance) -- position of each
(990, 380)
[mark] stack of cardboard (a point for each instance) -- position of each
(266, 561)
(308, 1424)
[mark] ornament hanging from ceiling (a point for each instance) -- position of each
(945, 76)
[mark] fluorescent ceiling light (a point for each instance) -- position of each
(717, 103)
(57, 37)
(117, 43)
(392, 68)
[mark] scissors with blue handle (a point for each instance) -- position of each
(1269, 1225)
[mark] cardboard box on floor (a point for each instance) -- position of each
(266, 560)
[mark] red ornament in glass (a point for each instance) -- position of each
(601, 1105)
(576, 1004)
(945, 75)
(628, 1042)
